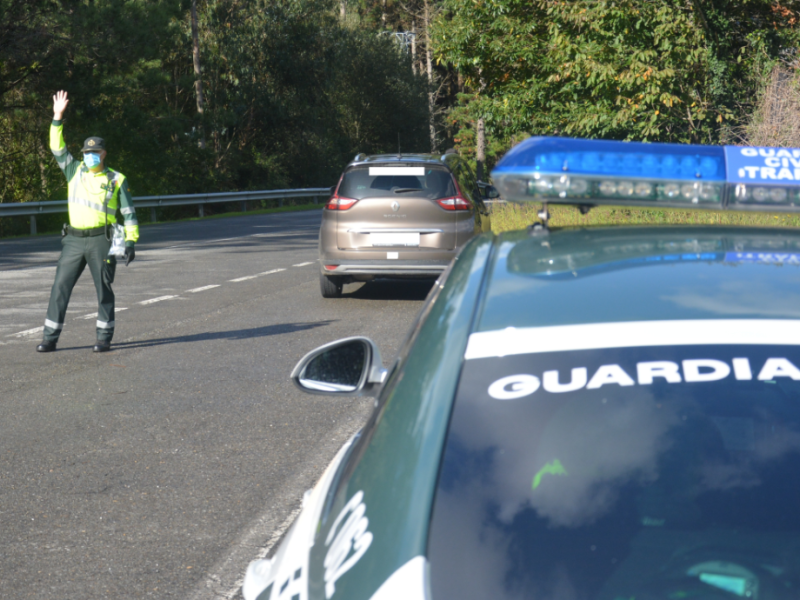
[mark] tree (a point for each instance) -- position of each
(289, 95)
(658, 70)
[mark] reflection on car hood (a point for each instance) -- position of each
(580, 253)
(621, 274)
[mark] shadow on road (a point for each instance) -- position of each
(398, 289)
(239, 334)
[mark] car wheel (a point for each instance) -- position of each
(331, 287)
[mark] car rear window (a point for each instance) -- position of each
(654, 472)
(430, 182)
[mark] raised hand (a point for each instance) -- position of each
(59, 105)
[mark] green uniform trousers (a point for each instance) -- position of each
(76, 253)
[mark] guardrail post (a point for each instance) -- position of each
(153, 214)
(244, 205)
(33, 225)
(201, 211)
(280, 202)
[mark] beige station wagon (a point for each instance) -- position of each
(399, 216)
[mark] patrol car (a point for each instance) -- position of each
(600, 414)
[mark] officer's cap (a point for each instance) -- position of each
(93, 144)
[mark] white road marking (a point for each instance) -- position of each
(159, 299)
(27, 332)
(204, 242)
(94, 315)
(201, 289)
(212, 586)
(305, 264)
(23, 272)
(225, 578)
(257, 275)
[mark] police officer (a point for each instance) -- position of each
(95, 192)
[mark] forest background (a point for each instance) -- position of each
(221, 95)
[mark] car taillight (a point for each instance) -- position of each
(337, 203)
(455, 203)
(331, 267)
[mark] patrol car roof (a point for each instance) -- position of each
(640, 274)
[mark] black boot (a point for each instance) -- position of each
(101, 346)
(46, 347)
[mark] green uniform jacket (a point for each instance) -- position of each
(87, 191)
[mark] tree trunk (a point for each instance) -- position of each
(429, 64)
(343, 10)
(42, 171)
(414, 47)
(383, 14)
(198, 81)
(480, 139)
(480, 149)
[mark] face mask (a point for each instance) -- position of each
(92, 159)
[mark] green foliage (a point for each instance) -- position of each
(651, 70)
(320, 93)
(290, 96)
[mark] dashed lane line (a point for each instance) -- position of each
(27, 332)
(202, 289)
(240, 237)
(95, 315)
(159, 299)
(256, 275)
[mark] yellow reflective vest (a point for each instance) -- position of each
(88, 191)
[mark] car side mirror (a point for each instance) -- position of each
(348, 367)
(489, 192)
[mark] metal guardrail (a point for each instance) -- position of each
(31, 209)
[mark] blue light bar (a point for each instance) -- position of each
(573, 171)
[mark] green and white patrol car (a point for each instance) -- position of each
(581, 414)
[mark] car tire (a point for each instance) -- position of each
(331, 287)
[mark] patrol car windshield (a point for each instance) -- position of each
(623, 473)
(430, 182)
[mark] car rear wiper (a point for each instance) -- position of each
(404, 190)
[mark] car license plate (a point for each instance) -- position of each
(394, 239)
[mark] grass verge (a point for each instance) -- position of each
(512, 216)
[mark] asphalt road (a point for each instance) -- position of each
(161, 468)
